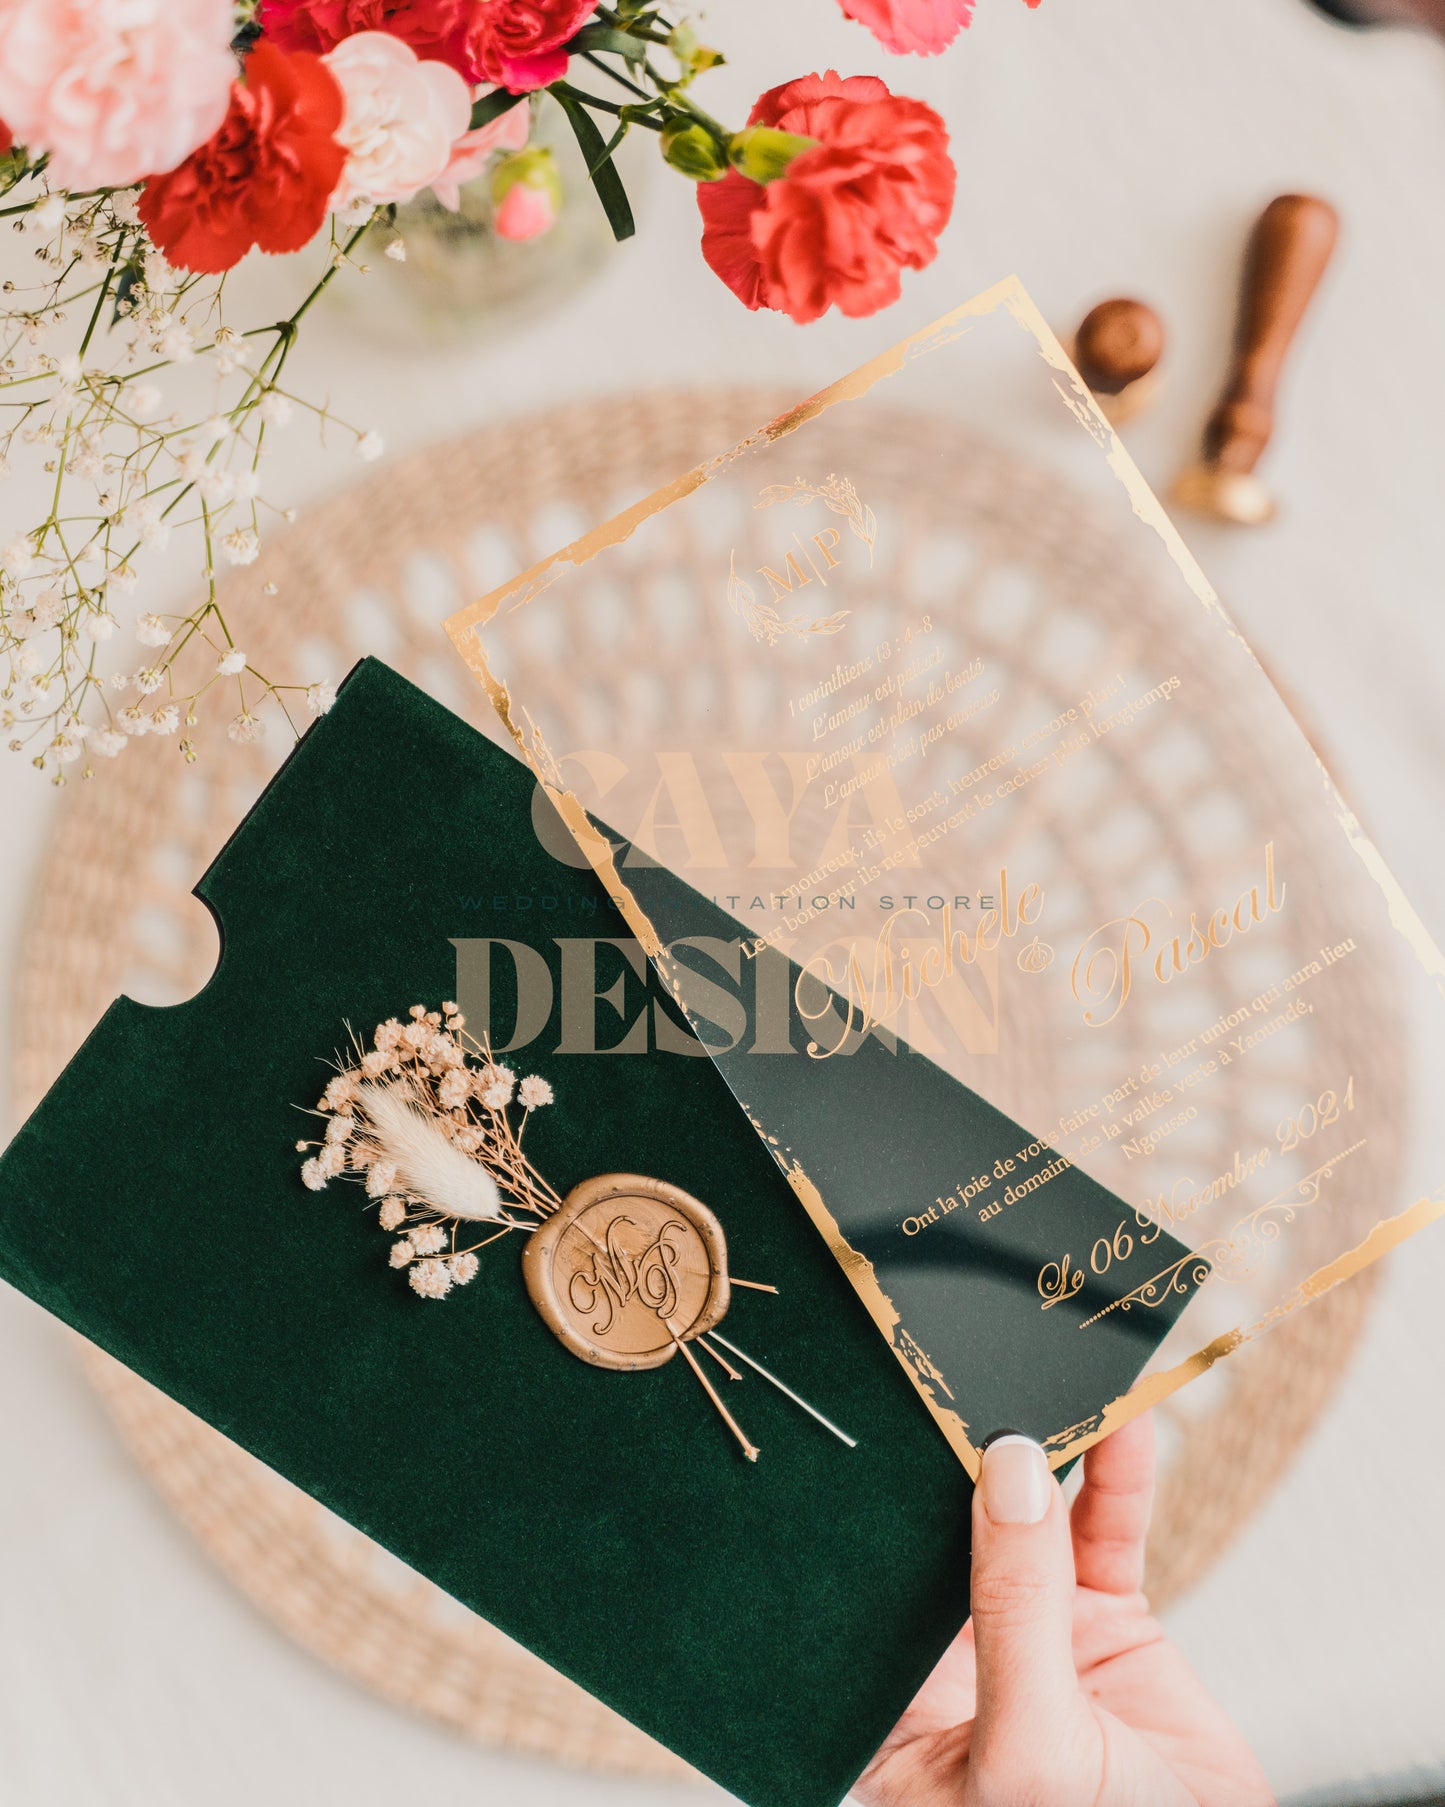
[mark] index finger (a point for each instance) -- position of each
(1110, 1519)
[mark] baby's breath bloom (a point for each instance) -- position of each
(340, 1091)
(216, 484)
(245, 728)
(340, 1127)
(454, 1089)
(369, 447)
(401, 1253)
(17, 556)
(313, 1174)
(150, 630)
(463, 1268)
(274, 408)
(240, 546)
(107, 742)
(48, 609)
(429, 1239)
(381, 1179)
(149, 680)
(392, 1213)
(430, 1279)
(142, 401)
(166, 719)
(231, 662)
(160, 275)
(495, 1085)
(144, 518)
(319, 698)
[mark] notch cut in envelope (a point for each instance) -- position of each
(962, 763)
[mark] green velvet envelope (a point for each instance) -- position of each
(769, 1622)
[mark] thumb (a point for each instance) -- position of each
(1028, 1732)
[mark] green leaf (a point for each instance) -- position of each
(610, 146)
(600, 166)
(614, 43)
(492, 106)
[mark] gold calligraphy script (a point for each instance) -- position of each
(803, 563)
(1117, 954)
(874, 981)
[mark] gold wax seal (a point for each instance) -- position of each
(627, 1270)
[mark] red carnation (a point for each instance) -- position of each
(869, 197)
(7, 138)
(266, 176)
(515, 43)
(435, 29)
(518, 43)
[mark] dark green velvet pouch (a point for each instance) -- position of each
(767, 1622)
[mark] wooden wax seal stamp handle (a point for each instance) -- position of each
(1288, 252)
(1289, 249)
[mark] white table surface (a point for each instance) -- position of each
(1118, 146)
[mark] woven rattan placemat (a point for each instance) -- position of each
(376, 571)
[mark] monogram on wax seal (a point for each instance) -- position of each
(627, 1270)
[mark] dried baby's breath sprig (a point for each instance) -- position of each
(86, 342)
(431, 1126)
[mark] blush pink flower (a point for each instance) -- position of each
(526, 195)
(922, 27)
(866, 200)
(474, 150)
(402, 117)
(114, 89)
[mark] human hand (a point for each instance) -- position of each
(1062, 1691)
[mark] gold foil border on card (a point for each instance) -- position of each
(464, 627)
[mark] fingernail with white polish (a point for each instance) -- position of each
(1017, 1486)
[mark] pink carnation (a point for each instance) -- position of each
(402, 117)
(114, 89)
(474, 150)
(923, 27)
